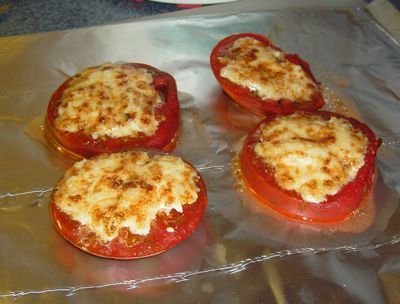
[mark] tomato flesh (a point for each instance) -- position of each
(133, 246)
(260, 181)
(248, 99)
(80, 144)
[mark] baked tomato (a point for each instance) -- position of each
(262, 78)
(315, 166)
(128, 205)
(114, 107)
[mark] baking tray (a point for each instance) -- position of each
(241, 253)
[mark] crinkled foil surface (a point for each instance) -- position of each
(241, 253)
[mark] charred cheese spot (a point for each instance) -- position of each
(110, 100)
(311, 155)
(125, 190)
(265, 71)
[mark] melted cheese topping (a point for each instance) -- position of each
(265, 71)
(126, 189)
(110, 100)
(310, 155)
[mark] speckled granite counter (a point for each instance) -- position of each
(25, 16)
(18, 17)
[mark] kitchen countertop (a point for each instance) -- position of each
(25, 16)
(18, 17)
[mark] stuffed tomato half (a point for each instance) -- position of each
(315, 166)
(114, 107)
(128, 205)
(262, 78)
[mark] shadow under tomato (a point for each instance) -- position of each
(151, 276)
(233, 116)
(361, 227)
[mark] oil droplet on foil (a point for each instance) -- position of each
(216, 255)
(207, 288)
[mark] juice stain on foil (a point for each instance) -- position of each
(334, 102)
(35, 129)
(11, 118)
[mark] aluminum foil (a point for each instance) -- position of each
(242, 252)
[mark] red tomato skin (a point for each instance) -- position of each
(82, 145)
(248, 99)
(336, 207)
(156, 242)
